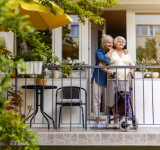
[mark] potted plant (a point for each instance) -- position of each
(41, 80)
(54, 72)
(66, 69)
(76, 72)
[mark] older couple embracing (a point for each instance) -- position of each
(106, 55)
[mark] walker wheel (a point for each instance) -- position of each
(124, 126)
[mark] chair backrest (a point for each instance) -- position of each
(71, 92)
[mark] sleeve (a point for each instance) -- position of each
(131, 62)
(101, 57)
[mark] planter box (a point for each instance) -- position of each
(76, 74)
(33, 67)
(37, 67)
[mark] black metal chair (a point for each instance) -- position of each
(71, 96)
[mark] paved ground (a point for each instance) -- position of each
(143, 136)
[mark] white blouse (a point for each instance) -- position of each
(126, 60)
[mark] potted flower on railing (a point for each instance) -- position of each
(74, 72)
(54, 72)
(66, 69)
(149, 72)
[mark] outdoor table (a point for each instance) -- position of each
(39, 90)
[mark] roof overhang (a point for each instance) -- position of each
(137, 5)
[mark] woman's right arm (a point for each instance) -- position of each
(102, 57)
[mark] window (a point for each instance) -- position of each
(147, 36)
(22, 45)
(147, 30)
(74, 30)
(70, 39)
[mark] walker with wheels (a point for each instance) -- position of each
(124, 108)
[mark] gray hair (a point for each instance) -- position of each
(105, 38)
(119, 37)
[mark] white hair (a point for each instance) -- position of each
(105, 38)
(119, 37)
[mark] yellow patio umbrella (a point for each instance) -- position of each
(41, 16)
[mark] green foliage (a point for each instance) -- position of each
(11, 21)
(29, 56)
(12, 130)
(6, 52)
(66, 69)
(149, 50)
(147, 56)
(15, 99)
(6, 67)
(37, 48)
(91, 9)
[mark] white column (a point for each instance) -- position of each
(131, 33)
(89, 43)
(57, 42)
(83, 41)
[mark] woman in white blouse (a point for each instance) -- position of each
(118, 58)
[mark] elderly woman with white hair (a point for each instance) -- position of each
(118, 58)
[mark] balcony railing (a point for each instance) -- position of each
(140, 102)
